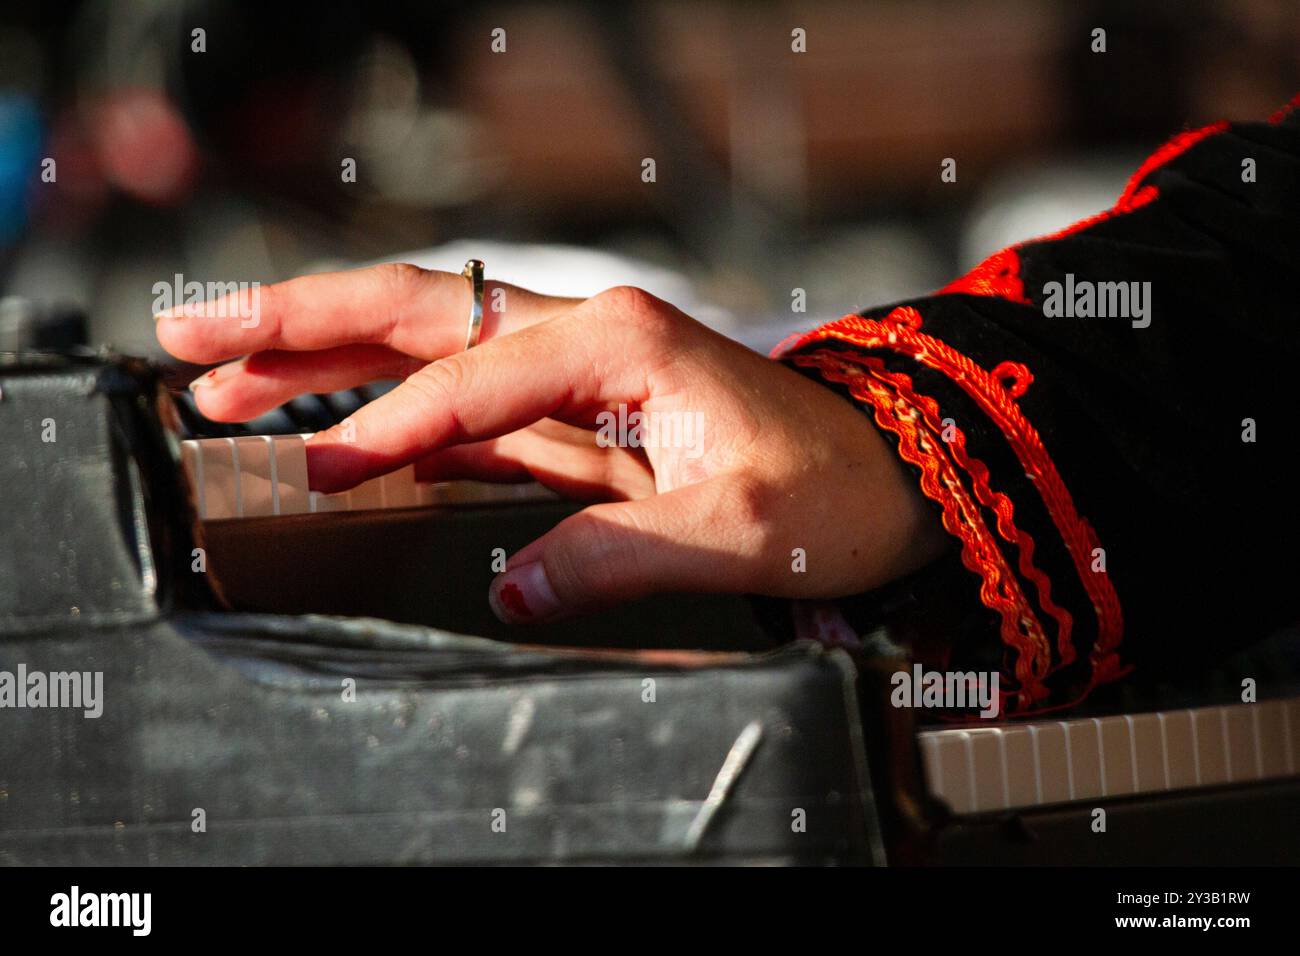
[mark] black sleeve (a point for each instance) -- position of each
(1103, 418)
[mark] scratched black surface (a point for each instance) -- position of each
(244, 716)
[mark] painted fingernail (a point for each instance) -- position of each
(206, 380)
(523, 594)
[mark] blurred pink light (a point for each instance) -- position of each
(145, 147)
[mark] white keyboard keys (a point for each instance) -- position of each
(220, 468)
(398, 488)
(266, 475)
(272, 475)
(980, 769)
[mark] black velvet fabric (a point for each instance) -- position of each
(1145, 425)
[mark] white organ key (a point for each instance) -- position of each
(255, 472)
(320, 501)
(291, 474)
(368, 495)
(192, 462)
(399, 488)
(272, 475)
(266, 475)
(1090, 758)
(220, 495)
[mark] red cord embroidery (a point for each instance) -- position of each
(999, 503)
(1000, 591)
(899, 333)
(999, 274)
(1280, 115)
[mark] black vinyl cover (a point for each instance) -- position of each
(227, 738)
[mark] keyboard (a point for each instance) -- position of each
(972, 770)
(1170, 765)
(253, 476)
(1015, 766)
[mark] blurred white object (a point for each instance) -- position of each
(568, 271)
(1028, 203)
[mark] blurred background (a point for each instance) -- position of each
(223, 155)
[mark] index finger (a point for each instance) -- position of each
(483, 393)
(421, 312)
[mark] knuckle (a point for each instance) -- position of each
(630, 306)
(627, 298)
(398, 284)
(263, 310)
(598, 566)
(750, 507)
(400, 277)
(437, 389)
(438, 381)
(266, 299)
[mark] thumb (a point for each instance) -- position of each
(610, 553)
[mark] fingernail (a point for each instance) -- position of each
(175, 312)
(206, 380)
(523, 594)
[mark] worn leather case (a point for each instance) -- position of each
(229, 737)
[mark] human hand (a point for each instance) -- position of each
(758, 461)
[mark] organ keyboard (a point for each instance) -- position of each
(974, 770)
(1014, 766)
(264, 475)
(81, 563)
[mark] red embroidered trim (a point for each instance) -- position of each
(899, 333)
(1169, 151)
(999, 589)
(999, 503)
(1280, 115)
(999, 274)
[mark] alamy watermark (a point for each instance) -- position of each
(637, 429)
(75, 908)
(222, 300)
(946, 690)
(1084, 299)
(79, 690)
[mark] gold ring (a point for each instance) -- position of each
(473, 271)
